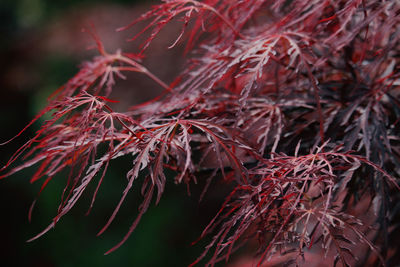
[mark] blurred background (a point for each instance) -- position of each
(41, 47)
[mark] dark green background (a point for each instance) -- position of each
(164, 236)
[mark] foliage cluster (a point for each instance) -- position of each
(295, 104)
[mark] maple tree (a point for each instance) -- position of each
(295, 104)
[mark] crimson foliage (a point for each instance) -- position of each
(295, 103)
